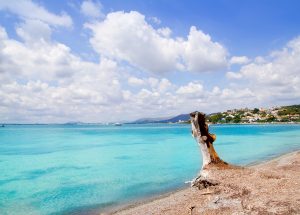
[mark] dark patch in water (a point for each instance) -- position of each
(31, 175)
(11, 194)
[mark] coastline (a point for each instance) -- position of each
(151, 123)
(218, 200)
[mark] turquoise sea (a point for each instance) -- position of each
(81, 169)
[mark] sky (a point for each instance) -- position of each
(114, 60)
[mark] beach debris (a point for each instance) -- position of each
(217, 199)
(208, 193)
(201, 182)
(191, 209)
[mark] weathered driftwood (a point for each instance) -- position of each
(211, 158)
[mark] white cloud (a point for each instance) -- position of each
(153, 82)
(191, 90)
(133, 81)
(127, 36)
(233, 94)
(33, 31)
(44, 81)
(27, 9)
(54, 90)
(280, 68)
(274, 78)
(164, 85)
(3, 34)
(201, 54)
(155, 20)
(91, 8)
(39, 60)
(156, 85)
(239, 60)
(233, 75)
(165, 32)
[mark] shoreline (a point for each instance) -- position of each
(143, 200)
(162, 201)
(154, 123)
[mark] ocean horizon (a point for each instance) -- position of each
(69, 169)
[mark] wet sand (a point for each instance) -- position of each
(271, 187)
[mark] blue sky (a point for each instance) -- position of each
(106, 60)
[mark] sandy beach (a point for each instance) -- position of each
(271, 187)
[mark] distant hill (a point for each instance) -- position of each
(181, 117)
(73, 123)
(148, 120)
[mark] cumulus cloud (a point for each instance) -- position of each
(192, 90)
(128, 37)
(233, 75)
(274, 78)
(164, 85)
(33, 31)
(91, 9)
(155, 20)
(39, 60)
(47, 83)
(239, 60)
(42, 80)
(3, 34)
(201, 53)
(234, 94)
(159, 85)
(27, 9)
(133, 81)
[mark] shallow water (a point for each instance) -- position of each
(62, 169)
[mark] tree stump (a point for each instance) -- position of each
(211, 159)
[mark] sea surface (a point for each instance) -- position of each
(79, 169)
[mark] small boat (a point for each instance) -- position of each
(118, 124)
